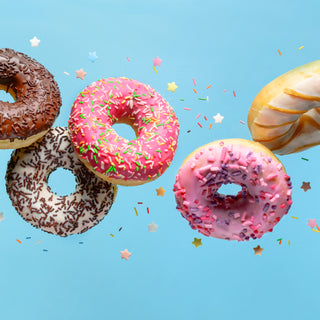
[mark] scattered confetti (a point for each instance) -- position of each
(258, 250)
(155, 69)
(120, 228)
(125, 254)
(188, 131)
(294, 217)
(157, 62)
(305, 186)
(210, 125)
(203, 99)
(34, 42)
(289, 243)
(92, 56)
(172, 86)
(80, 242)
(305, 159)
(160, 192)
(1, 216)
(135, 209)
(152, 227)
(111, 235)
(140, 202)
(234, 94)
(187, 109)
(280, 240)
(315, 230)
(198, 115)
(199, 124)
(197, 242)
(18, 241)
(181, 99)
(38, 241)
(205, 118)
(194, 82)
(68, 74)
(301, 47)
(195, 91)
(218, 118)
(225, 90)
(242, 122)
(312, 223)
(207, 98)
(45, 250)
(280, 52)
(28, 237)
(148, 210)
(208, 86)
(81, 74)
(128, 59)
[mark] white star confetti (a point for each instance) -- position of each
(34, 42)
(218, 118)
(152, 227)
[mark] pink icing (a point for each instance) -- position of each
(264, 199)
(112, 100)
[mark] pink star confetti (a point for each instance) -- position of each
(312, 223)
(80, 74)
(157, 62)
(125, 254)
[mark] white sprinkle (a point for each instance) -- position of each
(65, 72)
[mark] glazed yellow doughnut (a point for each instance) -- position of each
(285, 115)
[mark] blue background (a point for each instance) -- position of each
(229, 44)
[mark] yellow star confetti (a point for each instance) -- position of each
(197, 242)
(172, 86)
(258, 250)
(160, 192)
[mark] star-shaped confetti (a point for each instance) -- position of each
(125, 254)
(80, 74)
(172, 86)
(305, 186)
(218, 118)
(257, 250)
(152, 227)
(197, 242)
(312, 223)
(1, 216)
(160, 192)
(34, 42)
(157, 62)
(92, 56)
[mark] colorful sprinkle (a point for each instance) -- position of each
(194, 82)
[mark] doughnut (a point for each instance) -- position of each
(264, 198)
(27, 186)
(37, 100)
(285, 115)
(114, 158)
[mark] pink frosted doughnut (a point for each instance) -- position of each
(264, 199)
(111, 157)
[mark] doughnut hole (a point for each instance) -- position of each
(229, 189)
(125, 130)
(7, 94)
(62, 182)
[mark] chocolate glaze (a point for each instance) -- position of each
(36, 92)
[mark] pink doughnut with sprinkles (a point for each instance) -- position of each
(265, 195)
(114, 158)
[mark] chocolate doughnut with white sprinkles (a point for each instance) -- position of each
(27, 185)
(37, 100)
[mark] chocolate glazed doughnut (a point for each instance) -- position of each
(37, 100)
